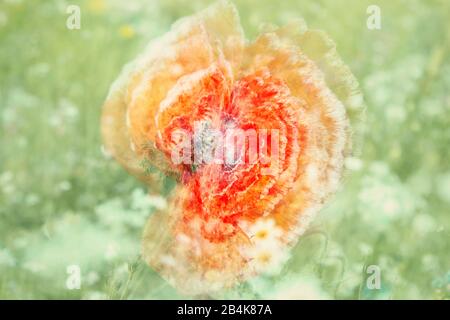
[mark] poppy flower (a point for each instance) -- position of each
(255, 133)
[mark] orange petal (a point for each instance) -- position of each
(193, 44)
(324, 116)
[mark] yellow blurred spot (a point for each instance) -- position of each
(264, 257)
(96, 6)
(262, 234)
(126, 31)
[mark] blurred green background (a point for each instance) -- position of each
(64, 202)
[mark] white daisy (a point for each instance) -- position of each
(267, 257)
(264, 230)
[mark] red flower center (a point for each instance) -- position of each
(236, 146)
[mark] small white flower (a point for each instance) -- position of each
(353, 163)
(267, 254)
(267, 257)
(383, 198)
(264, 230)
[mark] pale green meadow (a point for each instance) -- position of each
(65, 202)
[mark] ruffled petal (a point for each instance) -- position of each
(193, 44)
(308, 63)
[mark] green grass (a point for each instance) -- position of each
(63, 202)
